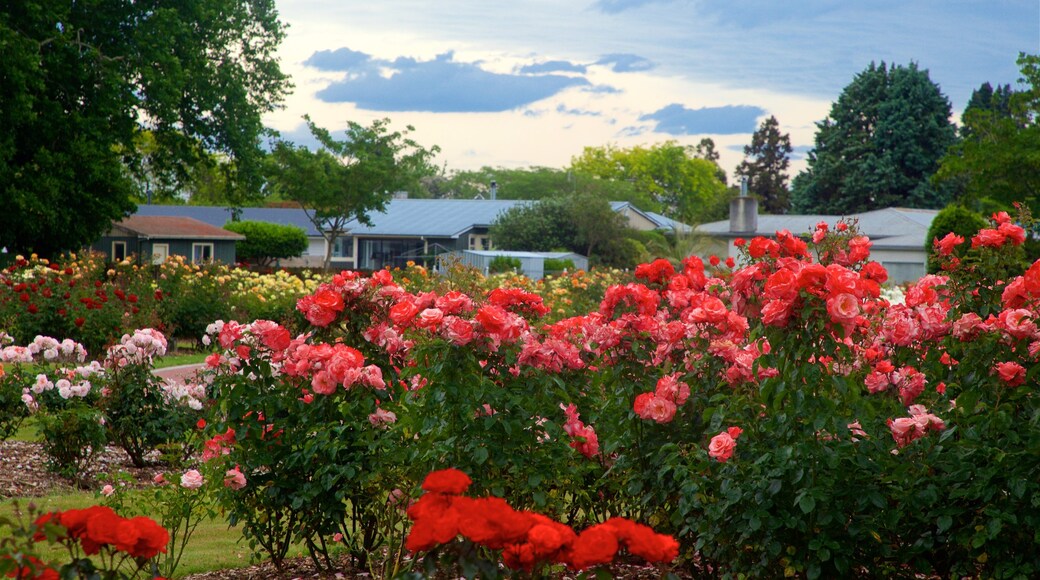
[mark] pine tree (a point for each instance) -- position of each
(765, 165)
(879, 146)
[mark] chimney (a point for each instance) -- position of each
(494, 188)
(743, 211)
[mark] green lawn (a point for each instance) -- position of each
(214, 546)
(175, 360)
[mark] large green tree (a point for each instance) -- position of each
(348, 179)
(765, 166)
(582, 223)
(686, 186)
(998, 161)
(78, 81)
(879, 146)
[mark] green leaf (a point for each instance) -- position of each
(807, 503)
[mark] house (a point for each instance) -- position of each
(156, 238)
(408, 230)
(899, 235)
(313, 256)
(532, 264)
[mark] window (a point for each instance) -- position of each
(118, 251)
(201, 253)
(899, 272)
(160, 252)
(478, 242)
(343, 248)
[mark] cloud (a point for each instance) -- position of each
(632, 131)
(553, 66)
(616, 6)
(676, 119)
(801, 152)
(602, 89)
(441, 85)
(626, 62)
(577, 112)
(341, 59)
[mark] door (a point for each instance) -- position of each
(160, 252)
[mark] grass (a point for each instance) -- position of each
(214, 546)
(180, 358)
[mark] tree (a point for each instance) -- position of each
(879, 146)
(267, 242)
(686, 186)
(986, 98)
(765, 166)
(705, 149)
(81, 79)
(543, 226)
(996, 162)
(582, 223)
(347, 180)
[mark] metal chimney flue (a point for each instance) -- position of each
(494, 189)
(743, 211)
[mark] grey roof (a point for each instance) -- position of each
(661, 221)
(520, 254)
(893, 227)
(218, 216)
(437, 218)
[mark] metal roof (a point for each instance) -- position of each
(894, 227)
(435, 218)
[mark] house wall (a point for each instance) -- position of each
(902, 265)
(223, 250)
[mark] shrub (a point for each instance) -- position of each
(72, 435)
(267, 242)
(501, 264)
(956, 219)
(558, 265)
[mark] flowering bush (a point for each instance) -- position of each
(522, 540)
(121, 548)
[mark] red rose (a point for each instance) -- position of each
(450, 481)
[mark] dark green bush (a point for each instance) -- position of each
(558, 265)
(266, 242)
(953, 218)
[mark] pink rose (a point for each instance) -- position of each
(843, 307)
(107, 490)
(431, 317)
(159, 479)
(382, 418)
(721, 447)
(234, 479)
(192, 479)
(660, 409)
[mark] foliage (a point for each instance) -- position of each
(267, 242)
(994, 162)
(538, 227)
(79, 80)
(504, 264)
(879, 146)
(765, 165)
(582, 223)
(178, 506)
(72, 435)
(953, 218)
(76, 298)
(686, 186)
(346, 180)
(141, 411)
(557, 265)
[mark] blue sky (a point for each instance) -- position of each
(532, 82)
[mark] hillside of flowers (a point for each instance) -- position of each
(773, 416)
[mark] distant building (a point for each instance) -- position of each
(898, 234)
(532, 264)
(415, 230)
(155, 238)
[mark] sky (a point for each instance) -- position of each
(531, 83)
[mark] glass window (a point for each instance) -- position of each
(201, 253)
(899, 272)
(343, 248)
